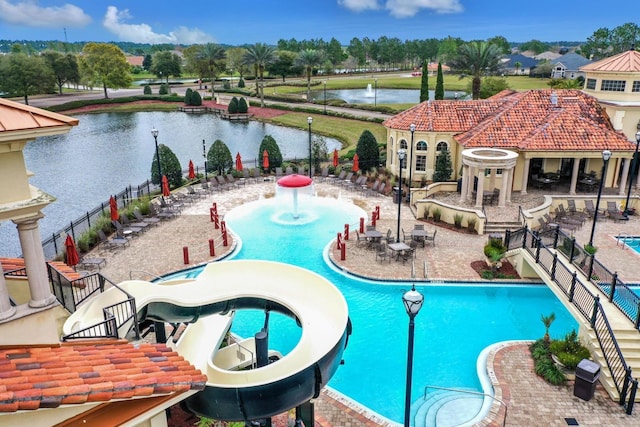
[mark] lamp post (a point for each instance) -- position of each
(412, 301)
(401, 153)
(154, 132)
(310, 120)
(606, 155)
(627, 211)
(325, 96)
(204, 154)
(412, 128)
(375, 92)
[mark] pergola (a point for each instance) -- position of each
(475, 163)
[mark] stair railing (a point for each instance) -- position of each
(476, 393)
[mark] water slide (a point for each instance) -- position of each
(207, 303)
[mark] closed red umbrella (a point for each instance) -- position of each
(238, 162)
(265, 160)
(335, 158)
(165, 186)
(192, 170)
(355, 163)
(113, 206)
(72, 252)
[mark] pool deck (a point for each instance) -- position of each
(530, 400)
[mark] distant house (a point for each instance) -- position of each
(548, 55)
(525, 64)
(568, 66)
(135, 61)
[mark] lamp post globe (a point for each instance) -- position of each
(412, 301)
(606, 155)
(401, 154)
(155, 132)
(412, 128)
(309, 121)
(628, 211)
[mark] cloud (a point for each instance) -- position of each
(403, 8)
(143, 33)
(30, 14)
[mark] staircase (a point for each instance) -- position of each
(501, 226)
(446, 408)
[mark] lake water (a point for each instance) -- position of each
(107, 152)
(381, 96)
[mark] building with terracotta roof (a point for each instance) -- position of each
(563, 132)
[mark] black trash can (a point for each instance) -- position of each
(587, 374)
(396, 194)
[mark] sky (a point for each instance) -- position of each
(267, 21)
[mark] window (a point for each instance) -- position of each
(613, 85)
(591, 84)
(403, 144)
(442, 146)
(422, 146)
(636, 86)
(421, 163)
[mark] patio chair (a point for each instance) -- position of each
(574, 212)
(324, 174)
(381, 188)
(124, 231)
(302, 170)
(279, 173)
(589, 208)
(115, 242)
(408, 254)
(288, 170)
(126, 222)
(234, 182)
(406, 237)
(389, 236)
(418, 226)
(382, 253)
(360, 239)
(149, 220)
(338, 179)
(162, 214)
(614, 213)
(371, 191)
(431, 238)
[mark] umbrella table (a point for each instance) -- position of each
(72, 252)
(335, 158)
(192, 171)
(238, 162)
(265, 160)
(355, 163)
(165, 186)
(113, 206)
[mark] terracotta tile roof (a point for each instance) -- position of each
(520, 120)
(19, 117)
(627, 62)
(47, 377)
(10, 264)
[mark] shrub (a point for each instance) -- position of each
(233, 106)
(188, 96)
(569, 351)
(426, 213)
(242, 106)
(196, 99)
(368, 151)
(471, 224)
(226, 85)
(241, 83)
(543, 364)
(437, 214)
(590, 249)
(164, 89)
(457, 220)
(147, 90)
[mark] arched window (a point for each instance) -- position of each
(422, 146)
(403, 144)
(442, 145)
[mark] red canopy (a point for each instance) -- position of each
(192, 171)
(238, 162)
(265, 159)
(113, 207)
(336, 160)
(355, 167)
(165, 186)
(72, 252)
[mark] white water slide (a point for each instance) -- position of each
(206, 301)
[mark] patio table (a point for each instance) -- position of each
(398, 248)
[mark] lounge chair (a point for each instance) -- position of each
(371, 191)
(338, 179)
(614, 213)
(162, 214)
(589, 208)
(115, 242)
(247, 177)
(124, 231)
(149, 219)
(574, 212)
(126, 222)
(324, 174)
(279, 172)
(302, 170)
(382, 253)
(381, 188)
(92, 263)
(288, 170)
(233, 181)
(346, 182)
(222, 184)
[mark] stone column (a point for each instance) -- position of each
(492, 178)
(471, 174)
(624, 178)
(480, 188)
(512, 171)
(463, 184)
(574, 176)
(6, 309)
(505, 187)
(525, 176)
(34, 262)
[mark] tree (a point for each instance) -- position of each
(357, 50)
(439, 83)
(219, 158)
(259, 55)
(166, 64)
(547, 321)
(64, 67)
(212, 55)
(490, 86)
(448, 48)
(22, 75)
(368, 151)
(604, 42)
(107, 65)
(282, 65)
(234, 61)
(275, 156)
(443, 169)
(501, 43)
(536, 46)
(517, 65)
(170, 166)
(147, 62)
(543, 69)
(308, 59)
(424, 84)
(319, 151)
(334, 52)
(476, 58)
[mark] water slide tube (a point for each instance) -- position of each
(318, 307)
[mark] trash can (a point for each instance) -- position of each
(587, 374)
(396, 194)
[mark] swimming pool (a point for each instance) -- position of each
(455, 324)
(632, 242)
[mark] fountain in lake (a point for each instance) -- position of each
(294, 187)
(369, 93)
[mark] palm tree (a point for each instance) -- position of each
(259, 55)
(476, 58)
(212, 54)
(517, 66)
(547, 321)
(308, 59)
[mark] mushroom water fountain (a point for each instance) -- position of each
(294, 187)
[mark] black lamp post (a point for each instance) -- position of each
(628, 211)
(401, 153)
(606, 155)
(204, 154)
(412, 301)
(412, 128)
(310, 120)
(154, 132)
(375, 93)
(325, 96)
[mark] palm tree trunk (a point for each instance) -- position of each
(475, 87)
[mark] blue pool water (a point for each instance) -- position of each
(632, 242)
(455, 324)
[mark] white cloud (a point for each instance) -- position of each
(30, 14)
(403, 8)
(143, 33)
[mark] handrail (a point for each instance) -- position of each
(521, 214)
(253, 358)
(424, 266)
(477, 393)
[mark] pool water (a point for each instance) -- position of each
(632, 242)
(455, 324)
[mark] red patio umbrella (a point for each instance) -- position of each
(355, 163)
(335, 158)
(72, 252)
(192, 171)
(238, 162)
(113, 206)
(165, 186)
(265, 160)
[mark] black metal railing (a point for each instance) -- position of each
(585, 302)
(71, 292)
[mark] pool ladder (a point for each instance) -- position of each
(622, 238)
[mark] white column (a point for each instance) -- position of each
(471, 174)
(6, 309)
(492, 178)
(525, 176)
(505, 187)
(624, 177)
(480, 188)
(574, 176)
(512, 172)
(463, 184)
(34, 262)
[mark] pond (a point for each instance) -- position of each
(107, 152)
(369, 95)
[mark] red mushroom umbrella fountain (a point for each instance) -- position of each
(295, 182)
